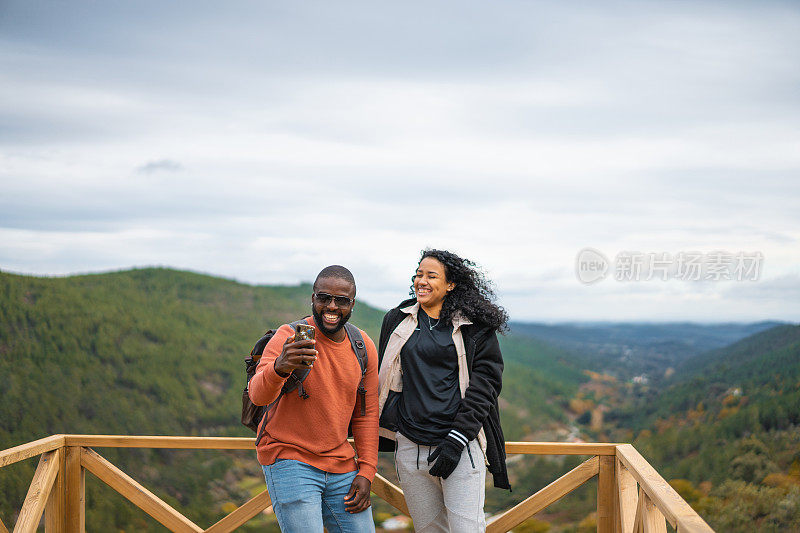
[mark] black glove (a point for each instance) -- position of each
(447, 454)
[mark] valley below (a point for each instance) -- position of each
(715, 408)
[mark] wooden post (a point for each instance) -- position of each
(627, 499)
(606, 514)
(652, 519)
(55, 512)
(75, 491)
(668, 502)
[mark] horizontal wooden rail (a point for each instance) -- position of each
(248, 443)
(149, 441)
(30, 449)
(561, 448)
(58, 485)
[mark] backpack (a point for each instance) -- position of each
(253, 415)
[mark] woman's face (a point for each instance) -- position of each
(430, 283)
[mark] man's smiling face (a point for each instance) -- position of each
(331, 316)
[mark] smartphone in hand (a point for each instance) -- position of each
(304, 332)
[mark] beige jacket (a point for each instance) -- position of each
(390, 375)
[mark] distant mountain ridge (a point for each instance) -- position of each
(626, 349)
(736, 360)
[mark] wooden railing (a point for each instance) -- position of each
(631, 496)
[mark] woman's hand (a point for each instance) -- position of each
(447, 455)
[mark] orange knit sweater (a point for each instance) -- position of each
(314, 430)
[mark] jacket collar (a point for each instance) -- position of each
(411, 309)
(458, 320)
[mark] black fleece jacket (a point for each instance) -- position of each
(479, 407)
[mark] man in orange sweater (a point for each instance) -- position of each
(313, 475)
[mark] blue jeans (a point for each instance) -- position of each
(305, 498)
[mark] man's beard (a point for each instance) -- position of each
(324, 328)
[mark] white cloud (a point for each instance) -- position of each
(267, 141)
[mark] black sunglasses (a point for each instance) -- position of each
(341, 301)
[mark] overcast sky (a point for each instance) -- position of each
(262, 141)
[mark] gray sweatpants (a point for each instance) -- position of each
(437, 505)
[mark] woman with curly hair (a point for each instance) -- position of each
(440, 375)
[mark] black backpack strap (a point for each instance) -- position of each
(294, 381)
(360, 349)
(264, 418)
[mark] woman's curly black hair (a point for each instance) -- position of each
(472, 295)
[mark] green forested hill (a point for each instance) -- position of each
(140, 351)
(538, 383)
(159, 351)
(728, 428)
(150, 351)
(763, 368)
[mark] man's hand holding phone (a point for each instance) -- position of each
(298, 351)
